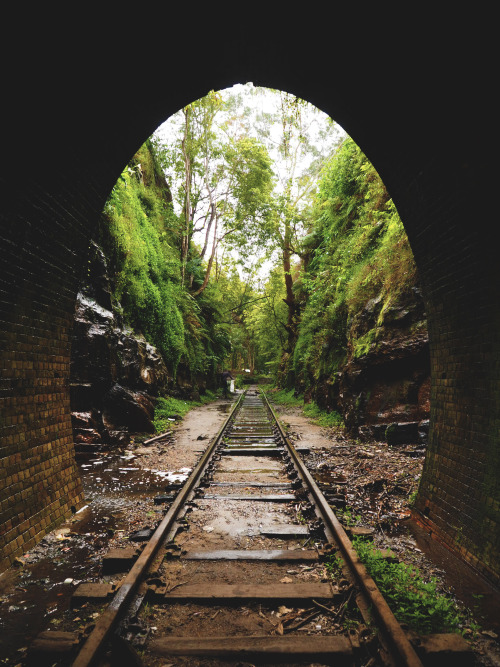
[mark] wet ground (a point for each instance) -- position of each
(119, 488)
(372, 483)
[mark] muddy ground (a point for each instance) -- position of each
(372, 482)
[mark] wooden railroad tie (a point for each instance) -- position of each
(257, 554)
(92, 593)
(334, 649)
(270, 498)
(228, 593)
(253, 451)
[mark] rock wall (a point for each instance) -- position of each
(383, 390)
(114, 375)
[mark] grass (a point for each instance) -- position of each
(413, 601)
(311, 410)
(168, 409)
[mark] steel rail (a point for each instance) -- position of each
(403, 651)
(95, 642)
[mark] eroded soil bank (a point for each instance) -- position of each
(372, 485)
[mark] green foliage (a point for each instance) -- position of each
(140, 235)
(169, 409)
(287, 398)
(356, 253)
(334, 564)
(363, 345)
(333, 213)
(322, 418)
(413, 601)
(221, 182)
(412, 498)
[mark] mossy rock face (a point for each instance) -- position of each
(365, 344)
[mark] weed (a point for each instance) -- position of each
(145, 610)
(413, 601)
(347, 517)
(334, 565)
(322, 418)
(286, 398)
(412, 497)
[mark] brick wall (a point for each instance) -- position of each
(459, 495)
(43, 252)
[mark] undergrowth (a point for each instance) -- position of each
(413, 601)
(287, 398)
(169, 409)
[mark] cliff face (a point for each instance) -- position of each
(115, 376)
(384, 388)
(362, 346)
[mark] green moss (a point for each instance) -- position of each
(139, 233)
(363, 345)
(360, 253)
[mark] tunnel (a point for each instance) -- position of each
(416, 102)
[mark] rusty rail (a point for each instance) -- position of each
(395, 641)
(400, 646)
(95, 642)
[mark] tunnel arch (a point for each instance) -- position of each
(63, 161)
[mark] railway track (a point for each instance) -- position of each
(236, 568)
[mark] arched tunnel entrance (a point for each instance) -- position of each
(66, 141)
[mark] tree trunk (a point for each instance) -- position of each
(186, 236)
(290, 297)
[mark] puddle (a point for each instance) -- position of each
(111, 482)
(173, 477)
(43, 587)
(52, 569)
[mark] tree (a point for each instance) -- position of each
(300, 139)
(222, 182)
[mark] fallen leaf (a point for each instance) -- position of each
(286, 580)
(284, 610)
